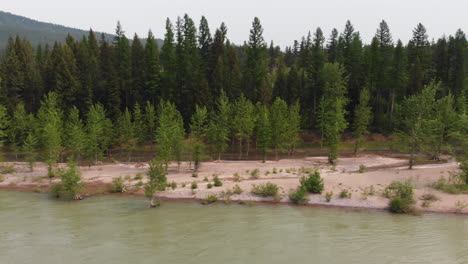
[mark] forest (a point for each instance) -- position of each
(83, 97)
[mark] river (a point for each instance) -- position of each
(109, 229)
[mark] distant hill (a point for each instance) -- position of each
(39, 32)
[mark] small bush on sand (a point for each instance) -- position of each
(195, 175)
(401, 194)
(237, 189)
(313, 183)
(2, 178)
(369, 191)
(460, 205)
(255, 173)
(210, 199)
(237, 177)
(217, 181)
(328, 196)
(209, 186)
(128, 178)
(401, 205)
(275, 171)
(138, 176)
(427, 199)
(173, 185)
(205, 179)
(455, 184)
(55, 190)
(362, 168)
(194, 186)
(36, 189)
(299, 196)
(183, 185)
(7, 169)
(118, 185)
(265, 189)
(345, 194)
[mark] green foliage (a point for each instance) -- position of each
(126, 130)
(173, 185)
(345, 194)
(75, 140)
(169, 133)
(156, 180)
(138, 176)
(401, 189)
(7, 169)
(243, 122)
(194, 175)
(362, 168)
(328, 196)
(198, 128)
(401, 205)
(279, 125)
(118, 185)
(194, 186)
(237, 189)
(219, 125)
(313, 183)
(217, 181)
(71, 180)
(209, 186)
(211, 199)
(255, 173)
(97, 131)
(265, 189)
(263, 129)
(4, 124)
(51, 127)
(362, 119)
(299, 196)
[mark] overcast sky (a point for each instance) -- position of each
(283, 21)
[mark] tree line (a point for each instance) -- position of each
(127, 92)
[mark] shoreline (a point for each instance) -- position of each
(380, 172)
(263, 201)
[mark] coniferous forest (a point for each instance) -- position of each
(198, 91)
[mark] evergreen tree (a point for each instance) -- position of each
(168, 63)
(126, 131)
(362, 119)
(279, 125)
(149, 121)
(75, 139)
(95, 131)
(153, 76)
(139, 59)
(219, 125)
(139, 126)
(256, 63)
(156, 180)
(243, 122)
(4, 124)
(51, 127)
(263, 131)
(331, 119)
(294, 126)
(29, 149)
(198, 128)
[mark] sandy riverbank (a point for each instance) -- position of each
(381, 171)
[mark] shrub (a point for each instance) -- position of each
(194, 186)
(267, 172)
(313, 183)
(299, 196)
(173, 185)
(255, 173)
(7, 169)
(427, 199)
(237, 189)
(183, 185)
(205, 179)
(461, 205)
(138, 176)
(454, 185)
(362, 168)
(56, 190)
(328, 196)
(265, 189)
(118, 185)
(401, 205)
(401, 189)
(36, 189)
(128, 178)
(195, 175)
(237, 177)
(275, 171)
(211, 199)
(209, 186)
(369, 191)
(217, 181)
(345, 194)
(2, 178)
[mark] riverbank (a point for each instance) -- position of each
(365, 187)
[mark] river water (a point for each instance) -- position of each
(108, 229)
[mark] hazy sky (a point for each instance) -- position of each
(283, 21)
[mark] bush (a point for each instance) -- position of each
(138, 176)
(313, 183)
(454, 185)
(7, 169)
(275, 171)
(56, 190)
(210, 199)
(237, 177)
(345, 194)
(194, 186)
(401, 189)
(128, 178)
(265, 189)
(401, 205)
(369, 191)
(299, 196)
(427, 199)
(71, 180)
(36, 189)
(2, 178)
(255, 173)
(362, 168)
(195, 175)
(205, 179)
(209, 186)
(118, 185)
(328, 196)
(217, 181)
(173, 185)
(237, 189)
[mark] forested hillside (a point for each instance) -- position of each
(101, 94)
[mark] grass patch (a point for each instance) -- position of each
(362, 168)
(454, 184)
(237, 189)
(138, 176)
(210, 199)
(7, 169)
(427, 199)
(299, 196)
(345, 194)
(217, 182)
(255, 173)
(237, 177)
(194, 186)
(118, 185)
(328, 196)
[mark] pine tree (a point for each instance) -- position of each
(139, 124)
(219, 125)
(332, 46)
(138, 59)
(75, 139)
(168, 63)
(362, 119)
(4, 124)
(263, 131)
(123, 63)
(279, 125)
(198, 128)
(156, 180)
(29, 149)
(149, 121)
(126, 131)
(256, 64)
(109, 91)
(243, 122)
(294, 127)
(331, 119)
(399, 80)
(51, 127)
(95, 131)
(153, 76)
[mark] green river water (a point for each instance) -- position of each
(110, 229)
